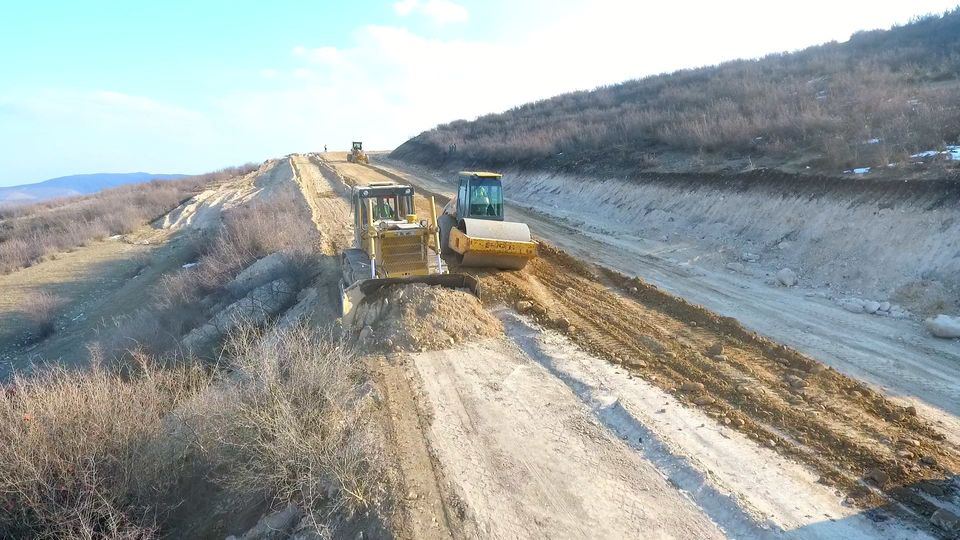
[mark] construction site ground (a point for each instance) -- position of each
(608, 407)
(579, 401)
(896, 356)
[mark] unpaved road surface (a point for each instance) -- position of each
(529, 460)
(763, 440)
(896, 356)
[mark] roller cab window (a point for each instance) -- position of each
(486, 198)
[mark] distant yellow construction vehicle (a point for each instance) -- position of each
(357, 155)
(391, 246)
(473, 231)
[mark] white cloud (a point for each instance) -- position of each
(405, 7)
(439, 11)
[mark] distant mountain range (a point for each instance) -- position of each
(77, 184)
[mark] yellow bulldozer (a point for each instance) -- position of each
(473, 231)
(393, 246)
(356, 154)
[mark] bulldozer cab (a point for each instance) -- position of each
(388, 202)
(357, 145)
(480, 196)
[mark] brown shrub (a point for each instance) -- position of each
(41, 309)
(98, 454)
(85, 455)
(300, 424)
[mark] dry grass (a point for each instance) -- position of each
(28, 233)
(96, 454)
(816, 107)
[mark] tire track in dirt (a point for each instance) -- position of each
(878, 453)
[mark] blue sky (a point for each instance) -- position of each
(178, 86)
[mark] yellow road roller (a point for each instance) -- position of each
(473, 231)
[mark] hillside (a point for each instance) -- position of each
(77, 184)
(876, 100)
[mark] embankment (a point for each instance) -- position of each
(897, 241)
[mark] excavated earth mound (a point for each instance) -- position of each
(421, 317)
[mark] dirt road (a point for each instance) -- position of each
(808, 430)
(894, 356)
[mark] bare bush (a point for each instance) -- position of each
(299, 425)
(41, 309)
(80, 452)
(820, 106)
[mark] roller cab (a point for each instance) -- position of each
(473, 229)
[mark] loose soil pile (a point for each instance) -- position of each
(420, 317)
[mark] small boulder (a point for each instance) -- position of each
(869, 306)
(276, 525)
(737, 267)
(787, 277)
(877, 476)
(524, 306)
(262, 271)
(946, 520)
(884, 306)
(703, 400)
(691, 386)
(853, 305)
(715, 349)
(366, 333)
(943, 326)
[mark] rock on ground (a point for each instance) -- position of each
(260, 272)
(255, 308)
(275, 526)
(787, 277)
(943, 326)
(737, 267)
(946, 520)
(853, 305)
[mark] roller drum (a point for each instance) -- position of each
(495, 230)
